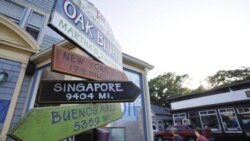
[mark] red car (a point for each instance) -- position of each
(183, 130)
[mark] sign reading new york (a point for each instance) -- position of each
(71, 22)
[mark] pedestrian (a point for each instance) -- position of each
(198, 133)
(176, 137)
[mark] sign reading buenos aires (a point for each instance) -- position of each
(65, 61)
(70, 20)
(87, 91)
(57, 123)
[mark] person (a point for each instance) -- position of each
(176, 137)
(198, 133)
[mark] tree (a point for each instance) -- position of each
(223, 77)
(166, 86)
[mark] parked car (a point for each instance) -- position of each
(183, 130)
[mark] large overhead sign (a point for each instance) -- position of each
(69, 19)
(87, 91)
(57, 123)
(67, 62)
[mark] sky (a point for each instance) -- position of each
(194, 37)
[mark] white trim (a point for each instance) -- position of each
(147, 105)
(35, 89)
(211, 100)
(181, 117)
(13, 103)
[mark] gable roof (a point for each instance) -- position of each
(158, 110)
(15, 37)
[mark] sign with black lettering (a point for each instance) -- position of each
(59, 122)
(64, 92)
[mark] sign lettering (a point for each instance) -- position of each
(67, 62)
(71, 21)
(57, 123)
(87, 91)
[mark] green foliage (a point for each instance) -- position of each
(166, 86)
(170, 85)
(199, 89)
(223, 77)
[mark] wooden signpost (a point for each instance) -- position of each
(57, 123)
(87, 91)
(67, 62)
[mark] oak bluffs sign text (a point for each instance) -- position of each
(70, 20)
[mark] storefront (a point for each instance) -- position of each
(225, 110)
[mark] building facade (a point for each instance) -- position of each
(225, 110)
(25, 60)
(161, 118)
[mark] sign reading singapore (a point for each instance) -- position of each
(87, 91)
(72, 23)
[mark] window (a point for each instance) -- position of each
(34, 24)
(244, 110)
(25, 17)
(17, 11)
(178, 118)
(229, 120)
(209, 119)
(116, 133)
(160, 125)
(194, 119)
(244, 117)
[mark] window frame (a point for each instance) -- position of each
(39, 29)
(22, 17)
(206, 113)
(232, 111)
(179, 116)
(28, 10)
(244, 117)
(241, 113)
(194, 115)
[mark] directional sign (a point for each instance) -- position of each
(67, 62)
(87, 91)
(57, 123)
(79, 21)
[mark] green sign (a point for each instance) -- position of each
(57, 123)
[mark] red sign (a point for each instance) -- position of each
(70, 63)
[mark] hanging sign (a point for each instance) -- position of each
(57, 123)
(67, 62)
(75, 21)
(64, 92)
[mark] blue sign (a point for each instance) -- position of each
(70, 21)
